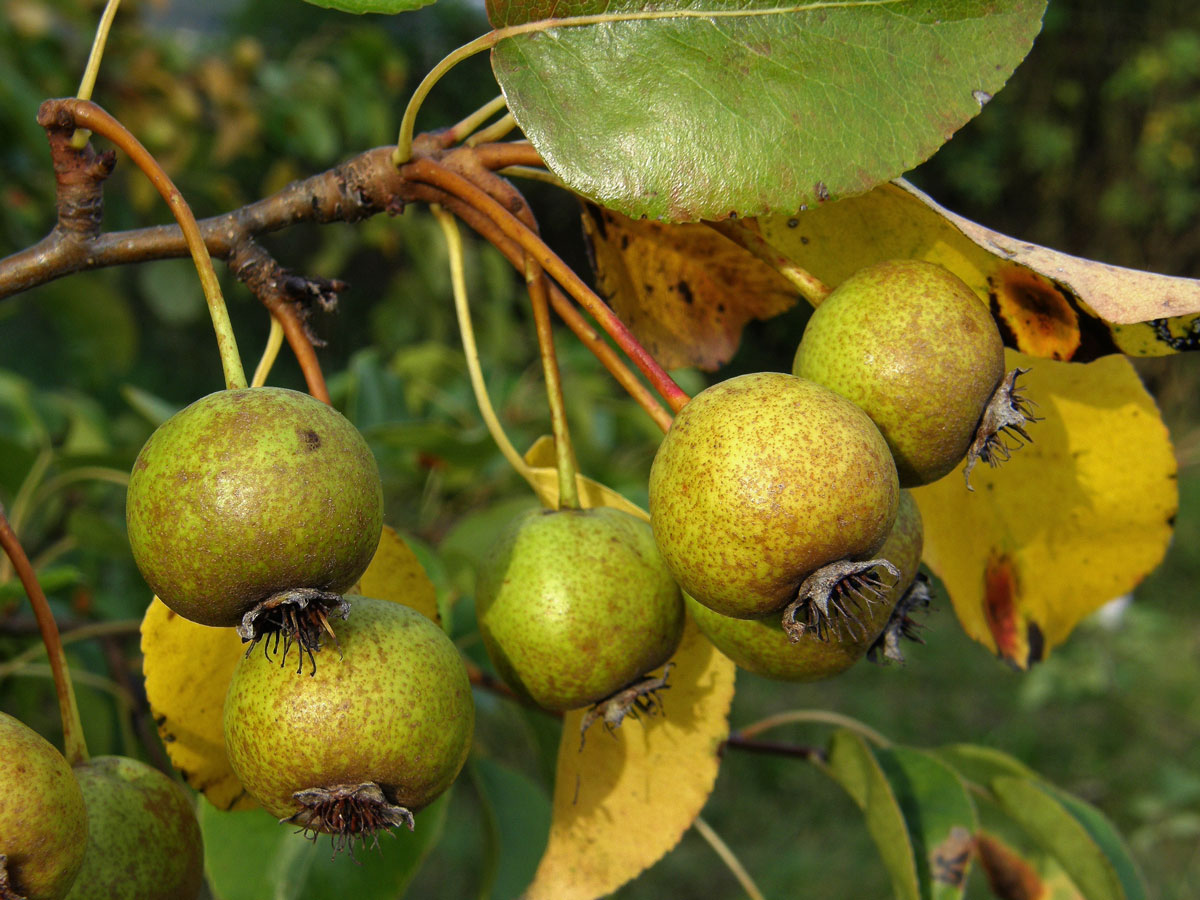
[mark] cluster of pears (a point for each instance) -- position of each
(260, 509)
(777, 500)
(108, 827)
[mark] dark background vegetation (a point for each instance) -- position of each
(1092, 148)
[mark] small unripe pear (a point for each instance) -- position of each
(143, 838)
(247, 493)
(761, 480)
(43, 821)
(575, 604)
(379, 731)
(763, 647)
(918, 350)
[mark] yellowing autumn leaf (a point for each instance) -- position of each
(623, 801)
(684, 290)
(1047, 303)
(396, 574)
(591, 493)
(187, 668)
(1071, 521)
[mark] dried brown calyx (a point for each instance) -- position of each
(901, 625)
(639, 697)
(830, 597)
(349, 814)
(7, 891)
(1001, 430)
(300, 616)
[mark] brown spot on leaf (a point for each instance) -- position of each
(1000, 592)
(1038, 315)
(1009, 876)
(952, 857)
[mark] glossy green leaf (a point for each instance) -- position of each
(979, 764)
(250, 856)
(371, 6)
(518, 822)
(1077, 835)
(855, 767)
(700, 109)
(940, 816)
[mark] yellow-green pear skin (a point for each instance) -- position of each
(144, 841)
(574, 604)
(761, 646)
(43, 821)
(914, 346)
(390, 704)
(249, 492)
(763, 479)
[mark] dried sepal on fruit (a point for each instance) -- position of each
(901, 624)
(1001, 430)
(380, 730)
(832, 599)
(253, 495)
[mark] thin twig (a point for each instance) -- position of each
(729, 858)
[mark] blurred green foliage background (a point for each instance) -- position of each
(1092, 149)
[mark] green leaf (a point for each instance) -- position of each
(940, 816)
(250, 856)
(1076, 834)
(855, 768)
(979, 764)
(371, 6)
(698, 110)
(518, 819)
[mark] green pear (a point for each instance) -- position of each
(43, 821)
(247, 493)
(763, 647)
(143, 838)
(914, 346)
(575, 604)
(378, 732)
(760, 481)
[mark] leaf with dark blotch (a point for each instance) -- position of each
(1047, 303)
(940, 817)
(685, 291)
(703, 109)
(1079, 837)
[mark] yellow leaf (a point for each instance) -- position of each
(1071, 521)
(1047, 303)
(624, 800)
(187, 668)
(684, 290)
(591, 493)
(396, 574)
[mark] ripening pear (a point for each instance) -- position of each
(760, 481)
(918, 350)
(575, 604)
(762, 646)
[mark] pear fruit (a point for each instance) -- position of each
(43, 821)
(575, 604)
(249, 493)
(760, 481)
(143, 838)
(763, 647)
(379, 731)
(918, 350)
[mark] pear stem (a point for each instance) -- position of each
(811, 288)
(471, 351)
(74, 745)
(564, 452)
